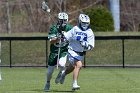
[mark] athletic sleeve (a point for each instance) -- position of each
(68, 35)
(52, 32)
(91, 40)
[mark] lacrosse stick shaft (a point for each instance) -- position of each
(60, 31)
(58, 53)
(51, 17)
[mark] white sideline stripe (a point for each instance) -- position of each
(0, 62)
(0, 76)
(0, 71)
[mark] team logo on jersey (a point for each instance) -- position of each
(80, 36)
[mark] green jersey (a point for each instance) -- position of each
(55, 47)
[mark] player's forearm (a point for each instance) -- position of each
(54, 40)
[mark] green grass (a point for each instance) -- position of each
(91, 80)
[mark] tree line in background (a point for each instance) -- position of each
(18, 16)
(130, 15)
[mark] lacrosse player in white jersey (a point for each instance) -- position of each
(81, 39)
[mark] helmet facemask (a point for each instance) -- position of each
(84, 25)
(62, 22)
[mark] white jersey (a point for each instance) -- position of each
(76, 35)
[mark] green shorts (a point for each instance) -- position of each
(52, 61)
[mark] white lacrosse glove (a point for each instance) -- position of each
(86, 45)
(45, 6)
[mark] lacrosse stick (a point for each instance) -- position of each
(58, 53)
(46, 8)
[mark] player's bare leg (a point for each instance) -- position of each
(76, 71)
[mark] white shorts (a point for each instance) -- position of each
(62, 61)
(72, 56)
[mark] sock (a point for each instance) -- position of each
(50, 72)
(75, 82)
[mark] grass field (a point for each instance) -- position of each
(91, 80)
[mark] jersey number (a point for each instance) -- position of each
(81, 37)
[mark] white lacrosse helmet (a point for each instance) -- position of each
(84, 21)
(63, 18)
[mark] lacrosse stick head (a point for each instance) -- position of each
(45, 7)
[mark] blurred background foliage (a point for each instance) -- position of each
(25, 16)
(101, 19)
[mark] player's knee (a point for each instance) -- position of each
(79, 64)
(62, 64)
(62, 61)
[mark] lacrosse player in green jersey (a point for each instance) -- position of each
(58, 48)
